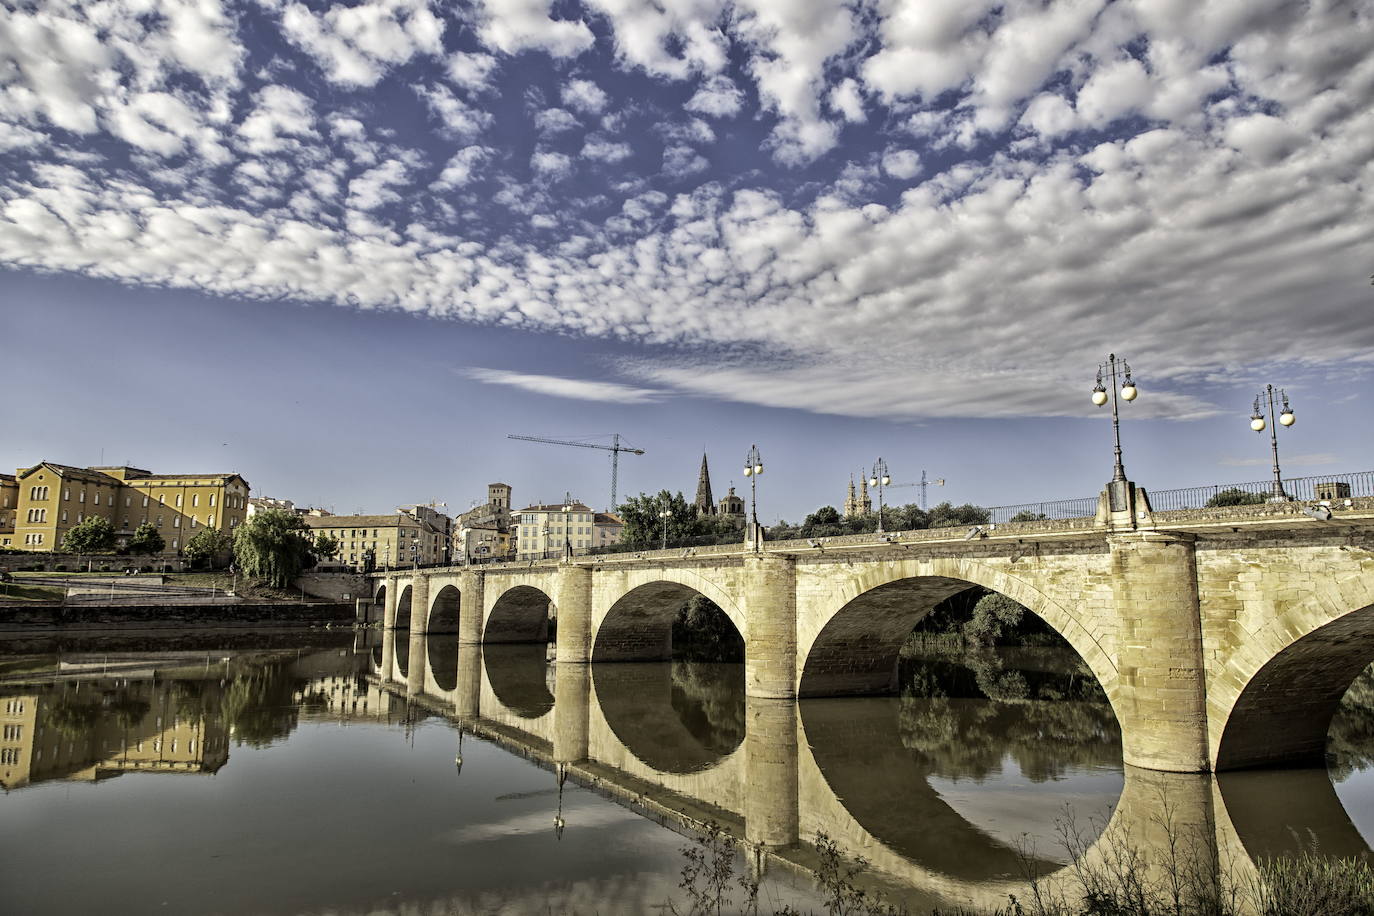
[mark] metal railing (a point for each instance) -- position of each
(1056, 510)
(1304, 489)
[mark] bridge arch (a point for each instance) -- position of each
(519, 614)
(519, 678)
(638, 625)
(403, 609)
(1273, 701)
(850, 644)
(380, 597)
(444, 610)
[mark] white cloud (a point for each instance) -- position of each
(474, 71)
(680, 161)
(375, 187)
(556, 386)
(551, 164)
(461, 121)
(717, 97)
(461, 169)
(1049, 116)
(280, 114)
(585, 96)
(902, 163)
(356, 44)
(1262, 137)
(848, 101)
(512, 26)
(603, 149)
(552, 121)
(1113, 91)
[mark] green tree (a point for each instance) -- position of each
(993, 615)
(644, 524)
(274, 545)
(209, 545)
(825, 515)
(949, 516)
(94, 535)
(326, 547)
(1234, 496)
(146, 540)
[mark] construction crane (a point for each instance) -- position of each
(923, 483)
(615, 448)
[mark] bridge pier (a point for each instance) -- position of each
(419, 603)
(1161, 692)
(770, 645)
(573, 599)
(470, 585)
(389, 607)
(467, 694)
(415, 673)
(571, 712)
(388, 653)
(771, 813)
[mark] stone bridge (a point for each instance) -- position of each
(1223, 638)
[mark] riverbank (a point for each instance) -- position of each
(28, 618)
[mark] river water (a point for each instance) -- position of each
(334, 772)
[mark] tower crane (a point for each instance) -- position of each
(923, 483)
(615, 448)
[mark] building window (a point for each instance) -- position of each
(128, 501)
(212, 499)
(67, 493)
(81, 497)
(9, 755)
(195, 499)
(178, 500)
(162, 499)
(64, 515)
(176, 521)
(14, 732)
(210, 521)
(175, 542)
(159, 521)
(145, 502)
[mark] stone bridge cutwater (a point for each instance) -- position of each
(1223, 638)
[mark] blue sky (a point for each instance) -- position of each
(361, 243)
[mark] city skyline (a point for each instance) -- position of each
(306, 245)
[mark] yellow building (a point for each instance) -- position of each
(399, 539)
(543, 529)
(51, 498)
(9, 501)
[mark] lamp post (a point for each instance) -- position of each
(415, 550)
(665, 515)
(386, 558)
(1257, 423)
(1127, 393)
(880, 479)
(567, 528)
(753, 467)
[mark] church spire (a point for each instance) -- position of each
(704, 503)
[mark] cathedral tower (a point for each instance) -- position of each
(705, 504)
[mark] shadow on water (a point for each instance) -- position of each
(518, 674)
(679, 717)
(442, 650)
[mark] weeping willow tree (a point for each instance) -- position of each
(274, 545)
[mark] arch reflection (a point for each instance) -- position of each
(442, 654)
(678, 717)
(518, 674)
(955, 773)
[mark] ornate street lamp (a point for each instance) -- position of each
(1257, 423)
(753, 467)
(665, 515)
(880, 479)
(1127, 393)
(567, 527)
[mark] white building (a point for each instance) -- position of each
(542, 529)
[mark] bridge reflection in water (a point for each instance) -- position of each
(951, 800)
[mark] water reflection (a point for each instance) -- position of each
(518, 674)
(941, 788)
(677, 717)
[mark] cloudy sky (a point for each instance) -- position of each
(345, 249)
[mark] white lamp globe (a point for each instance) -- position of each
(748, 471)
(1099, 397)
(1257, 424)
(886, 480)
(1286, 418)
(1128, 393)
(758, 469)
